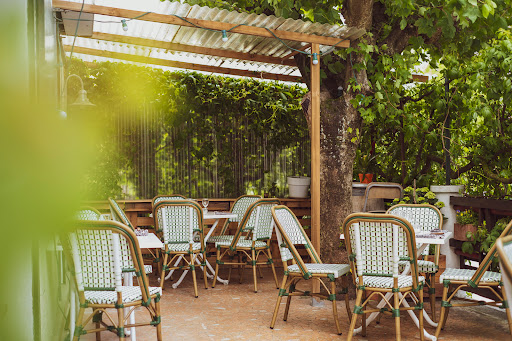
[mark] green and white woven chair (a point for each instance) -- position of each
(118, 215)
(240, 207)
(423, 218)
(375, 244)
(250, 249)
(504, 247)
(290, 233)
(94, 248)
(467, 279)
(88, 213)
(179, 220)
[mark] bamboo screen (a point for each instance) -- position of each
(155, 161)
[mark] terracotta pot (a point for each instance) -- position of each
(365, 178)
(459, 231)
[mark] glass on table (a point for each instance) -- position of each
(205, 203)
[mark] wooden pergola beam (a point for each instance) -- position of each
(181, 65)
(207, 24)
(189, 48)
(293, 53)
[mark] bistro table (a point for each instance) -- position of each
(423, 239)
(209, 215)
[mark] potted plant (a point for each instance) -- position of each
(298, 186)
(421, 195)
(466, 225)
(364, 164)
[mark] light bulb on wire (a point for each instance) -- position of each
(224, 35)
(124, 24)
(315, 58)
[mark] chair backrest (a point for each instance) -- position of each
(486, 262)
(289, 233)
(118, 214)
(382, 190)
(178, 220)
(162, 197)
(377, 242)
(88, 213)
(423, 217)
(240, 207)
(260, 213)
(95, 250)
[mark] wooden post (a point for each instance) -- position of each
(315, 155)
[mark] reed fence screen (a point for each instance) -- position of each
(157, 157)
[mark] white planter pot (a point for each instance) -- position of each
(298, 186)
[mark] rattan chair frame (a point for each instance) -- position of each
(429, 276)
(451, 287)
(171, 256)
(149, 301)
(248, 255)
(291, 279)
(365, 292)
(506, 270)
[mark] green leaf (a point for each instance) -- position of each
(403, 23)
(486, 10)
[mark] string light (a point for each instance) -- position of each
(315, 58)
(125, 25)
(224, 35)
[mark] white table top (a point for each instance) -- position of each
(219, 215)
(151, 241)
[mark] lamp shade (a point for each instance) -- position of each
(82, 99)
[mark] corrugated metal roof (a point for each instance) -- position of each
(202, 37)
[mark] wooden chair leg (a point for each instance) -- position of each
(279, 297)
(359, 295)
(162, 274)
(193, 270)
(273, 267)
(254, 266)
(363, 316)
(442, 319)
(290, 289)
(78, 324)
(97, 321)
(422, 333)
(432, 296)
(120, 324)
(217, 269)
(334, 308)
(396, 306)
(158, 326)
(204, 271)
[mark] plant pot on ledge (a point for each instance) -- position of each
(365, 178)
(460, 231)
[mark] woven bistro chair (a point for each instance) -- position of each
(381, 190)
(290, 233)
(250, 248)
(240, 207)
(179, 220)
(88, 213)
(118, 215)
(456, 279)
(94, 248)
(375, 245)
(423, 218)
(504, 247)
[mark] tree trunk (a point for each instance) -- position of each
(339, 122)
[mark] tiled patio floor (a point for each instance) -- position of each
(235, 312)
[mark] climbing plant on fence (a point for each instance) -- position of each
(195, 134)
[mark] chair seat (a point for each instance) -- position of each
(424, 266)
(243, 243)
(336, 269)
(222, 238)
(130, 294)
(466, 274)
(184, 247)
(404, 281)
